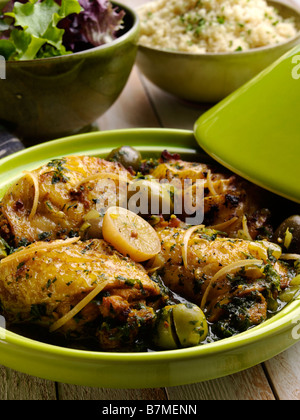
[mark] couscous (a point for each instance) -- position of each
(213, 26)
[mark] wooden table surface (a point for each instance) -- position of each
(143, 105)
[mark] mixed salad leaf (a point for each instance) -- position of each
(32, 29)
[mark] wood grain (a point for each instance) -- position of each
(284, 373)
(74, 392)
(251, 384)
(18, 386)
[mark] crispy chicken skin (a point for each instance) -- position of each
(43, 284)
(66, 193)
(240, 296)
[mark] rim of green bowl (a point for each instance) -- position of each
(121, 39)
(280, 322)
(252, 51)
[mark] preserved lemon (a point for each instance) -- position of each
(130, 234)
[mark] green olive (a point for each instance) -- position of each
(92, 226)
(127, 156)
(164, 336)
(288, 235)
(148, 197)
(181, 325)
(190, 324)
(289, 294)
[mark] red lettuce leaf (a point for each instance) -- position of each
(96, 25)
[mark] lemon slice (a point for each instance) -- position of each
(130, 234)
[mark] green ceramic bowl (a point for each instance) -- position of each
(137, 370)
(210, 77)
(48, 98)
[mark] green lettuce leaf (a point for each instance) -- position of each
(7, 48)
(36, 28)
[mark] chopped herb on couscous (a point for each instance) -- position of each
(213, 26)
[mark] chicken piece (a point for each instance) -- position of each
(53, 201)
(242, 293)
(41, 283)
(229, 201)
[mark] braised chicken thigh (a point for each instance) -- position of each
(43, 282)
(53, 201)
(227, 197)
(234, 281)
(77, 261)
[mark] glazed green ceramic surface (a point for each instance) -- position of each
(256, 131)
(209, 77)
(137, 370)
(52, 97)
